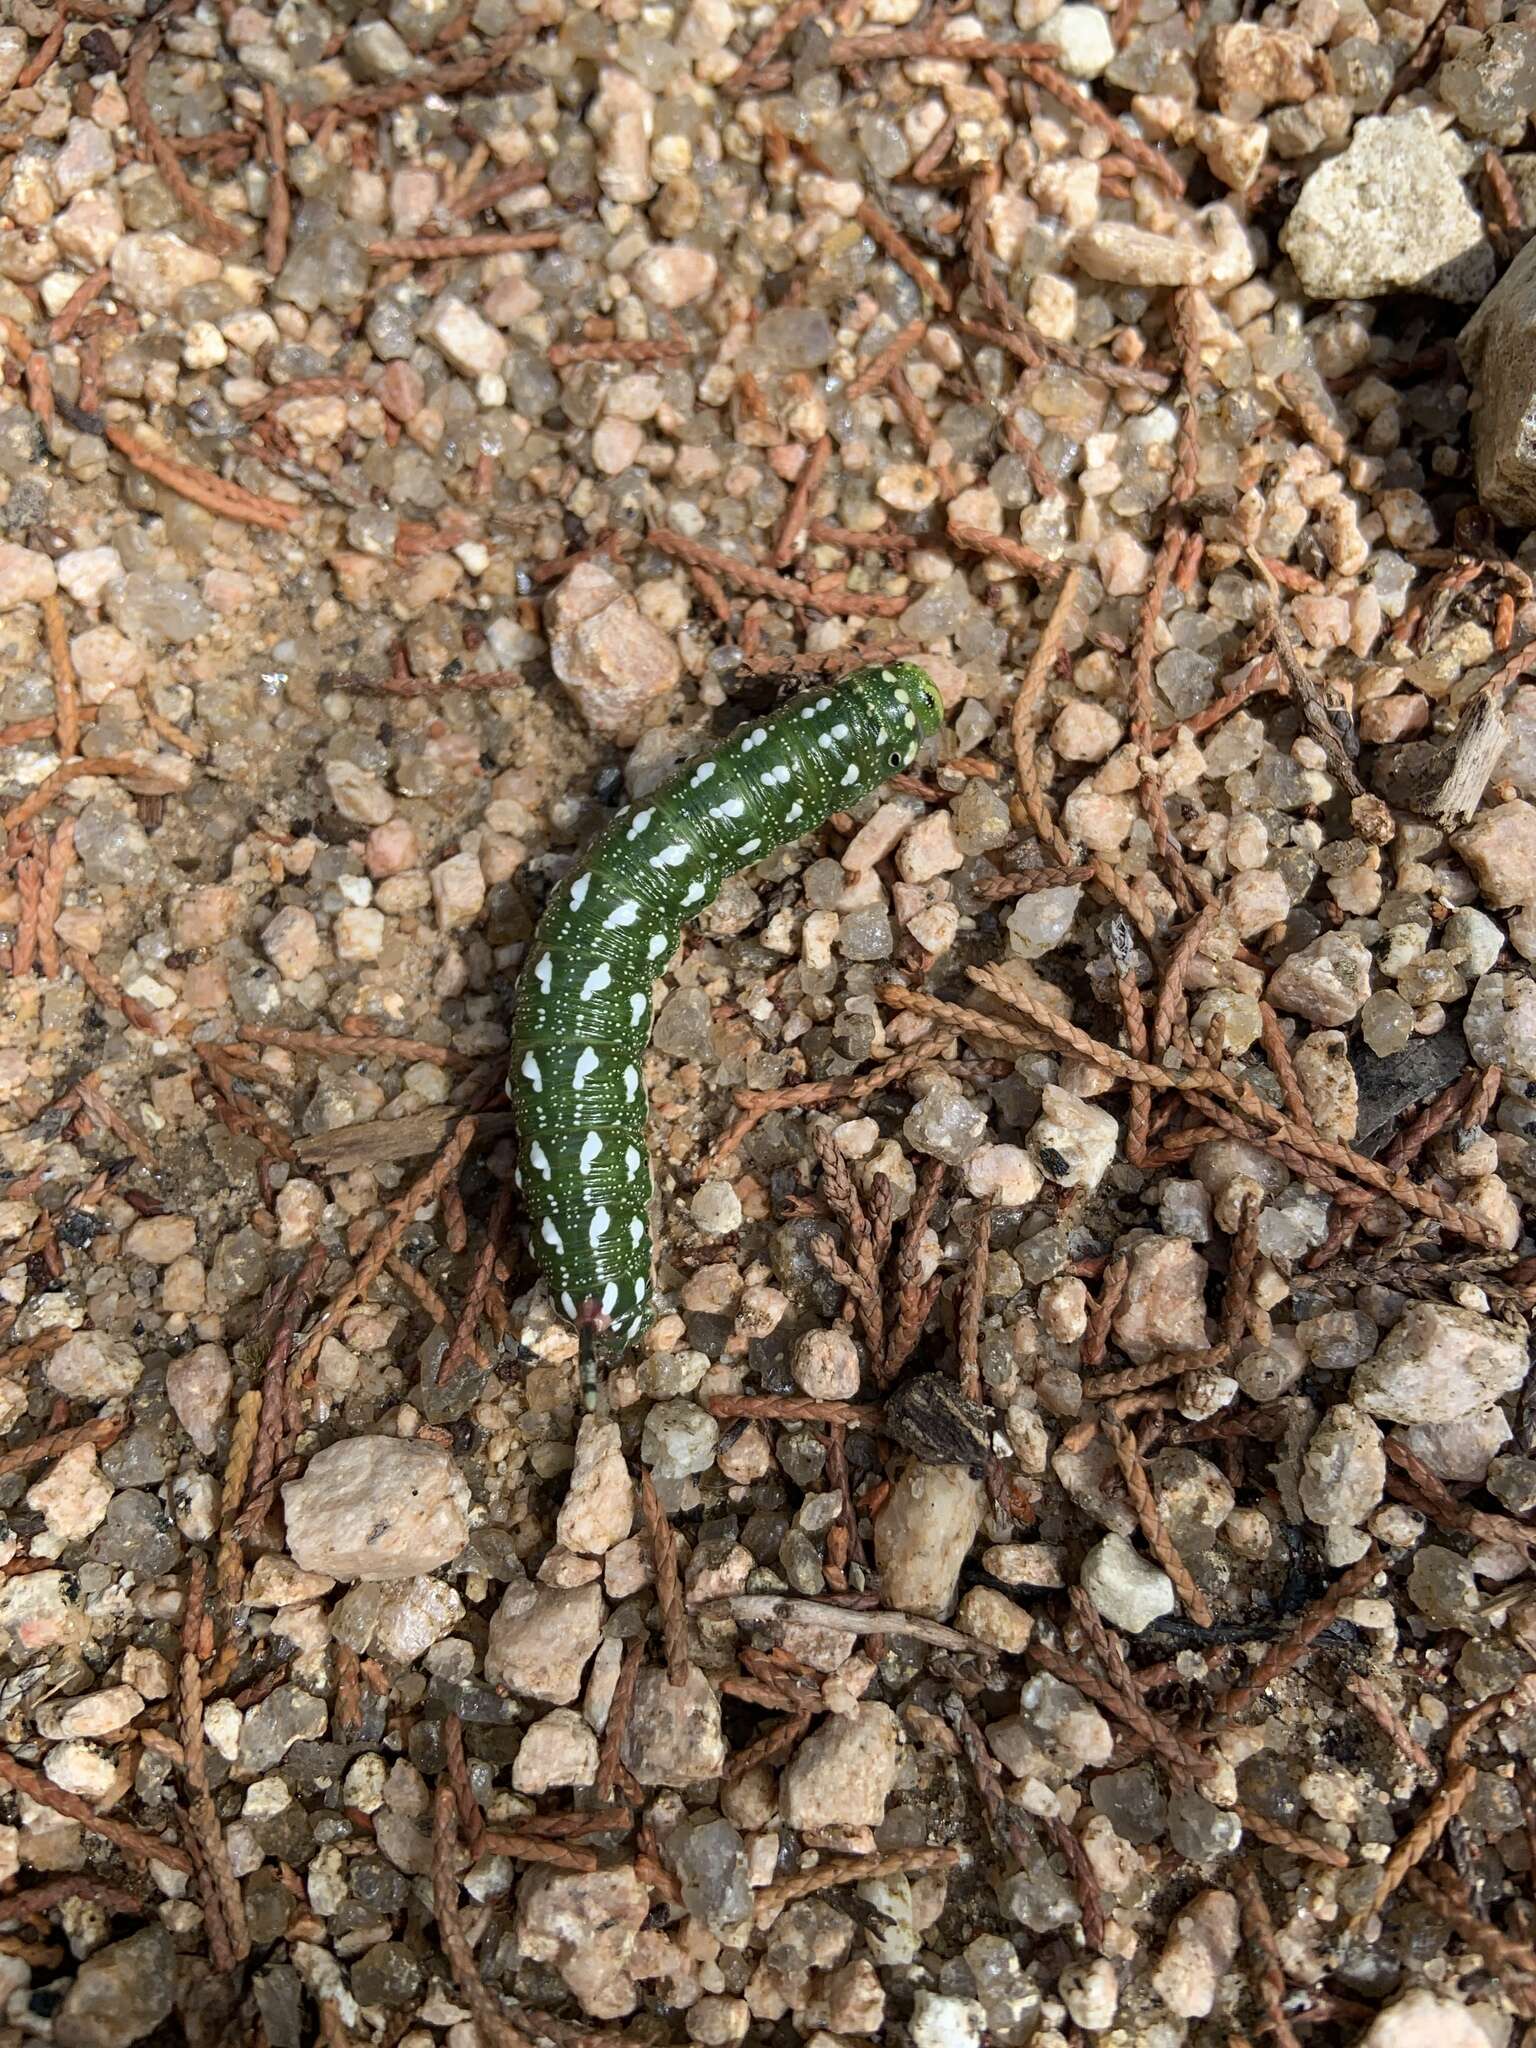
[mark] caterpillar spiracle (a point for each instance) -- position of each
(584, 994)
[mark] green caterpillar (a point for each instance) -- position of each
(584, 995)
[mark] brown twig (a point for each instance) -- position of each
(1421, 1838)
(756, 1103)
(887, 236)
(1015, 554)
(662, 1540)
(915, 1295)
(438, 248)
(456, 1768)
(446, 80)
(795, 1408)
(1269, 1973)
(1442, 1891)
(215, 493)
(610, 1766)
(1289, 1840)
(769, 42)
(280, 1417)
(1240, 1271)
(768, 583)
(890, 358)
(496, 2029)
(100, 1432)
(1285, 1655)
(1028, 881)
(1170, 1009)
(39, 1900)
(349, 1692)
(462, 1344)
(1388, 1720)
(1200, 1083)
(425, 1191)
(1152, 161)
(1009, 1831)
(1441, 1507)
(146, 42)
(1125, 1704)
(35, 803)
(1101, 1309)
(798, 510)
(134, 1842)
(66, 693)
(223, 1903)
(20, 1356)
(616, 351)
(1263, 675)
(770, 1748)
(836, 1870)
(1143, 1501)
(108, 992)
(274, 117)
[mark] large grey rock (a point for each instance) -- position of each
(377, 1507)
(1498, 347)
(1388, 214)
(121, 1994)
(1438, 1364)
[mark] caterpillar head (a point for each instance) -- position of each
(923, 692)
(905, 705)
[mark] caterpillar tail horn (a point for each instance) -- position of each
(590, 1323)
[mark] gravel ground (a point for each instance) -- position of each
(1059, 1567)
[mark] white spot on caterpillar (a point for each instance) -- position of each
(621, 914)
(568, 1303)
(642, 1286)
(907, 719)
(733, 807)
(694, 893)
(533, 1072)
(823, 703)
(638, 1005)
(671, 856)
(886, 676)
(586, 1066)
(902, 697)
(517, 1178)
(809, 711)
(796, 810)
(591, 1146)
(538, 1158)
(753, 739)
(631, 1083)
(749, 846)
(839, 732)
(638, 824)
(881, 734)
(599, 1230)
(600, 978)
(825, 739)
(850, 774)
(579, 890)
(631, 1159)
(544, 973)
(636, 1232)
(657, 946)
(701, 774)
(610, 1297)
(551, 1236)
